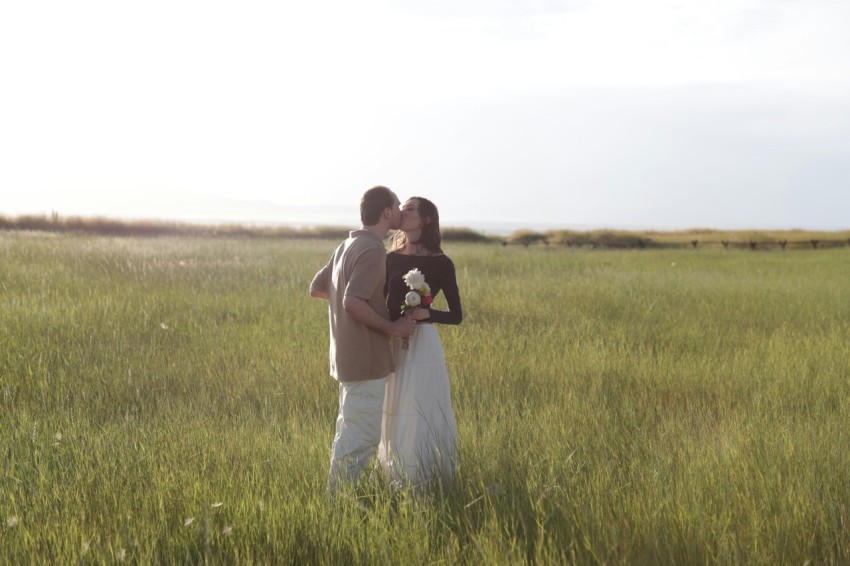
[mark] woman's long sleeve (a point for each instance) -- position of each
(448, 281)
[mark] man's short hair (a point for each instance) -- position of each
(373, 203)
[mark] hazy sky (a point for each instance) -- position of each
(537, 113)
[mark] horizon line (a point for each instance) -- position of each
(485, 227)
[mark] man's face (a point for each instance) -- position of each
(395, 211)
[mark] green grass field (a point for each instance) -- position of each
(167, 400)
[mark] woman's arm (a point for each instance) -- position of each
(448, 279)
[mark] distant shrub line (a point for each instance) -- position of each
(609, 239)
(153, 228)
(641, 240)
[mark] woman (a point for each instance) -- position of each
(418, 433)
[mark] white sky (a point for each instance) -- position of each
(537, 113)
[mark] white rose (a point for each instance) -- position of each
(412, 299)
(414, 279)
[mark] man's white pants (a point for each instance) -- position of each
(358, 430)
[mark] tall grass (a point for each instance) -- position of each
(167, 400)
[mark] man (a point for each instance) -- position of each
(353, 284)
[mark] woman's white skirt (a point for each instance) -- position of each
(418, 431)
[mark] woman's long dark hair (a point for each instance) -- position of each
(430, 237)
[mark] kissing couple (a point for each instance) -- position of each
(386, 354)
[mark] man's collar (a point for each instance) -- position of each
(365, 232)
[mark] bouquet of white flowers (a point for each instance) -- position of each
(419, 295)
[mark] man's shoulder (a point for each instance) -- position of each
(365, 241)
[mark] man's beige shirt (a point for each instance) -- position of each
(357, 268)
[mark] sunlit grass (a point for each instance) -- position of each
(167, 400)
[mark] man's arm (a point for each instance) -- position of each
(319, 285)
(367, 276)
(318, 294)
(365, 314)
